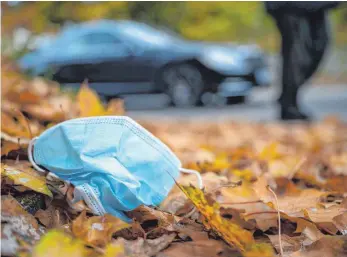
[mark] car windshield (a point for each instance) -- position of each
(147, 34)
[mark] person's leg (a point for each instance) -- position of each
(314, 38)
(320, 40)
(294, 56)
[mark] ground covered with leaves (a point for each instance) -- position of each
(269, 189)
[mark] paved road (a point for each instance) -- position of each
(261, 105)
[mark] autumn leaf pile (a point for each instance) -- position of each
(254, 175)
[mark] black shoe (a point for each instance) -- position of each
(293, 113)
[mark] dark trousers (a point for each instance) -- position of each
(304, 40)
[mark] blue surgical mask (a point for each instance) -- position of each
(114, 163)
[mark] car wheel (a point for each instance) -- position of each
(184, 84)
(236, 100)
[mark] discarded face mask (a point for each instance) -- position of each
(114, 163)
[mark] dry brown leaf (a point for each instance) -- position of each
(115, 107)
(14, 125)
(45, 112)
(245, 200)
(96, 230)
(341, 223)
(11, 207)
(324, 217)
(21, 94)
(52, 217)
(327, 246)
(7, 147)
(312, 234)
(206, 248)
(146, 247)
(289, 244)
(16, 225)
(165, 220)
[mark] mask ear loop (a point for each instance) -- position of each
(196, 173)
(30, 155)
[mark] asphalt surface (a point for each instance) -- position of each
(319, 100)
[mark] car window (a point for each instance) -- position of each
(98, 38)
(147, 34)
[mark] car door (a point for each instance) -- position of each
(89, 57)
(106, 58)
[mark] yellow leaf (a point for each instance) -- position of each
(219, 164)
(232, 233)
(57, 244)
(97, 230)
(270, 152)
(26, 177)
(246, 175)
(259, 249)
(113, 250)
(89, 103)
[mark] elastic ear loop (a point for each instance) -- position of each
(30, 155)
(196, 173)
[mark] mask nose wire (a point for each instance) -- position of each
(30, 155)
(196, 173)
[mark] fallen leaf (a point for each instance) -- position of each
(51, 217)
(16, 229)
(26, 177)
(246, 200)
(16, 224)
(327, 246)
(289, 244)
(113, 250)
(165, 220)
(97, 230)
(22, 141)
(45, 112)
(232, 233)
(340, 222)
(7, 147)
(146, 247)
(270, 152)
(56, 244)
(210, 248)
(259, 249)
(11, 207)
(312, 233)
(89, 103)
(324, 216)
(115, 107)
(14, 126)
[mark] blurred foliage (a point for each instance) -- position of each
(215, 21)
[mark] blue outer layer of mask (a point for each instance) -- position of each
(115, 164)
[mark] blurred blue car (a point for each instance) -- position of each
(126, 57)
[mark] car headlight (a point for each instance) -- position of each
(226, 62)
(218, 58)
